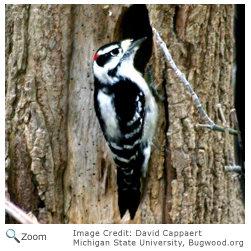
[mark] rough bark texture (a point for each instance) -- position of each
(57, 163)
(38, 50)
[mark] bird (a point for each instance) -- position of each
(127, 113)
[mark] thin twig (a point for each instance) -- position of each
(210, 124)
(227, 139)
(235, 169)
(18, 214)
(236, 124)
(217, 128)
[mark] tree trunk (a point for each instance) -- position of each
(57, 163)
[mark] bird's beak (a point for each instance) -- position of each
(136, 43)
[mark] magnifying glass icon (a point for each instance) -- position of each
(11, 234)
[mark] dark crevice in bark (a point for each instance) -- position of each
(134, 23)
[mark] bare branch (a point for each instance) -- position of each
(227, 139)
(236, 124)
(18, 214)
(235, 169)
(210, 124)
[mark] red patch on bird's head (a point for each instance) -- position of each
(95, 56)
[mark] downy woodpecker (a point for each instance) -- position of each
(127, 114)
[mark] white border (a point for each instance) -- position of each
(61, 236)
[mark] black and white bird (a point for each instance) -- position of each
(127, 113)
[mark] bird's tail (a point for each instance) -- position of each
(128, 192)
(128, 199)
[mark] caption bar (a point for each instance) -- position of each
(153, 238)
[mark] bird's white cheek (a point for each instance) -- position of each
(111, 64)
(101, 72)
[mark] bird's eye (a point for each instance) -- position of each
(115, 52)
